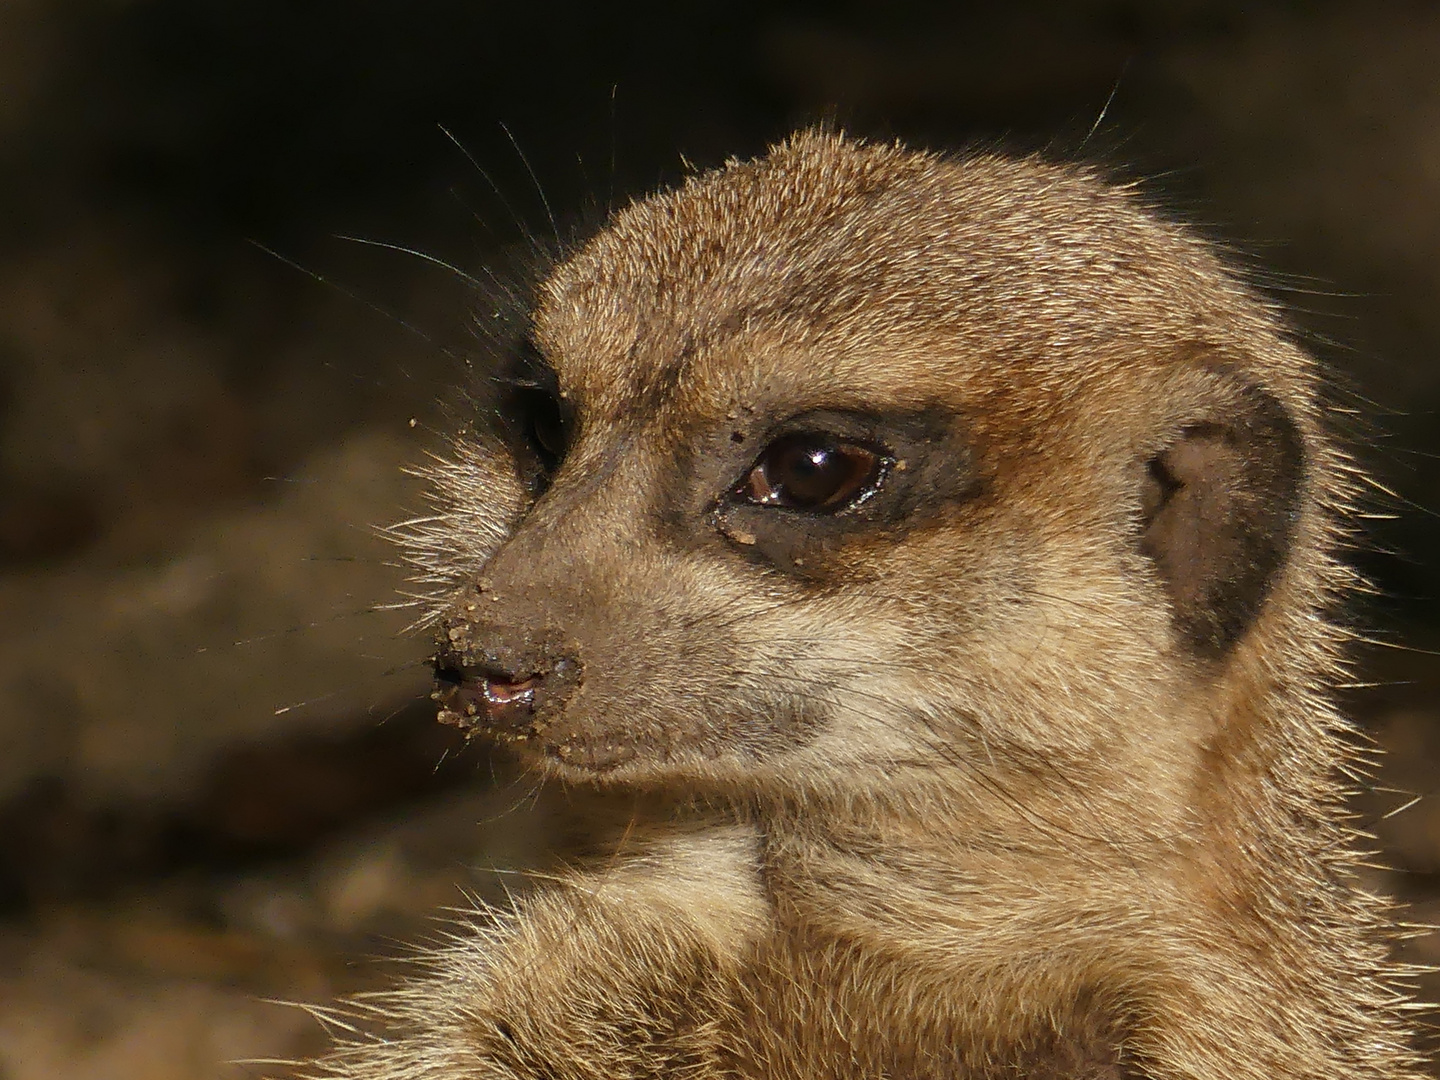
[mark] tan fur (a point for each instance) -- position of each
(952, 788)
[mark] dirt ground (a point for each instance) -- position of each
(222, 791)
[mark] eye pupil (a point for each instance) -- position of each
(811, 472)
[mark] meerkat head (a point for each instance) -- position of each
(855, 461)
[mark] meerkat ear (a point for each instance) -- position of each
(1218, 511)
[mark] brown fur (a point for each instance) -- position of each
(1023, 766)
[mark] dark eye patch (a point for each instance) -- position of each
(537, 420)
(542, 417)
(831, 483)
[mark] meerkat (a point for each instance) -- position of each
(943, 551)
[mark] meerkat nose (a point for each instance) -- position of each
(498, 701)
(508, 692)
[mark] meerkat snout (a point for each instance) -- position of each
(504, 680)
(942, 552)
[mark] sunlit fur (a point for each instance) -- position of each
(949, 796)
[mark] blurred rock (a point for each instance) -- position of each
(125, 682)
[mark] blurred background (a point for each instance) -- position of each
(220, 781)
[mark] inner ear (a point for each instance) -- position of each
(1218, 510)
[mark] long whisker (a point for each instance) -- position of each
(350, 294)
(384, 245)
(515, 218)
(539, 188)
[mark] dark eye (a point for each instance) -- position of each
(544, 428)
(812, 472)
